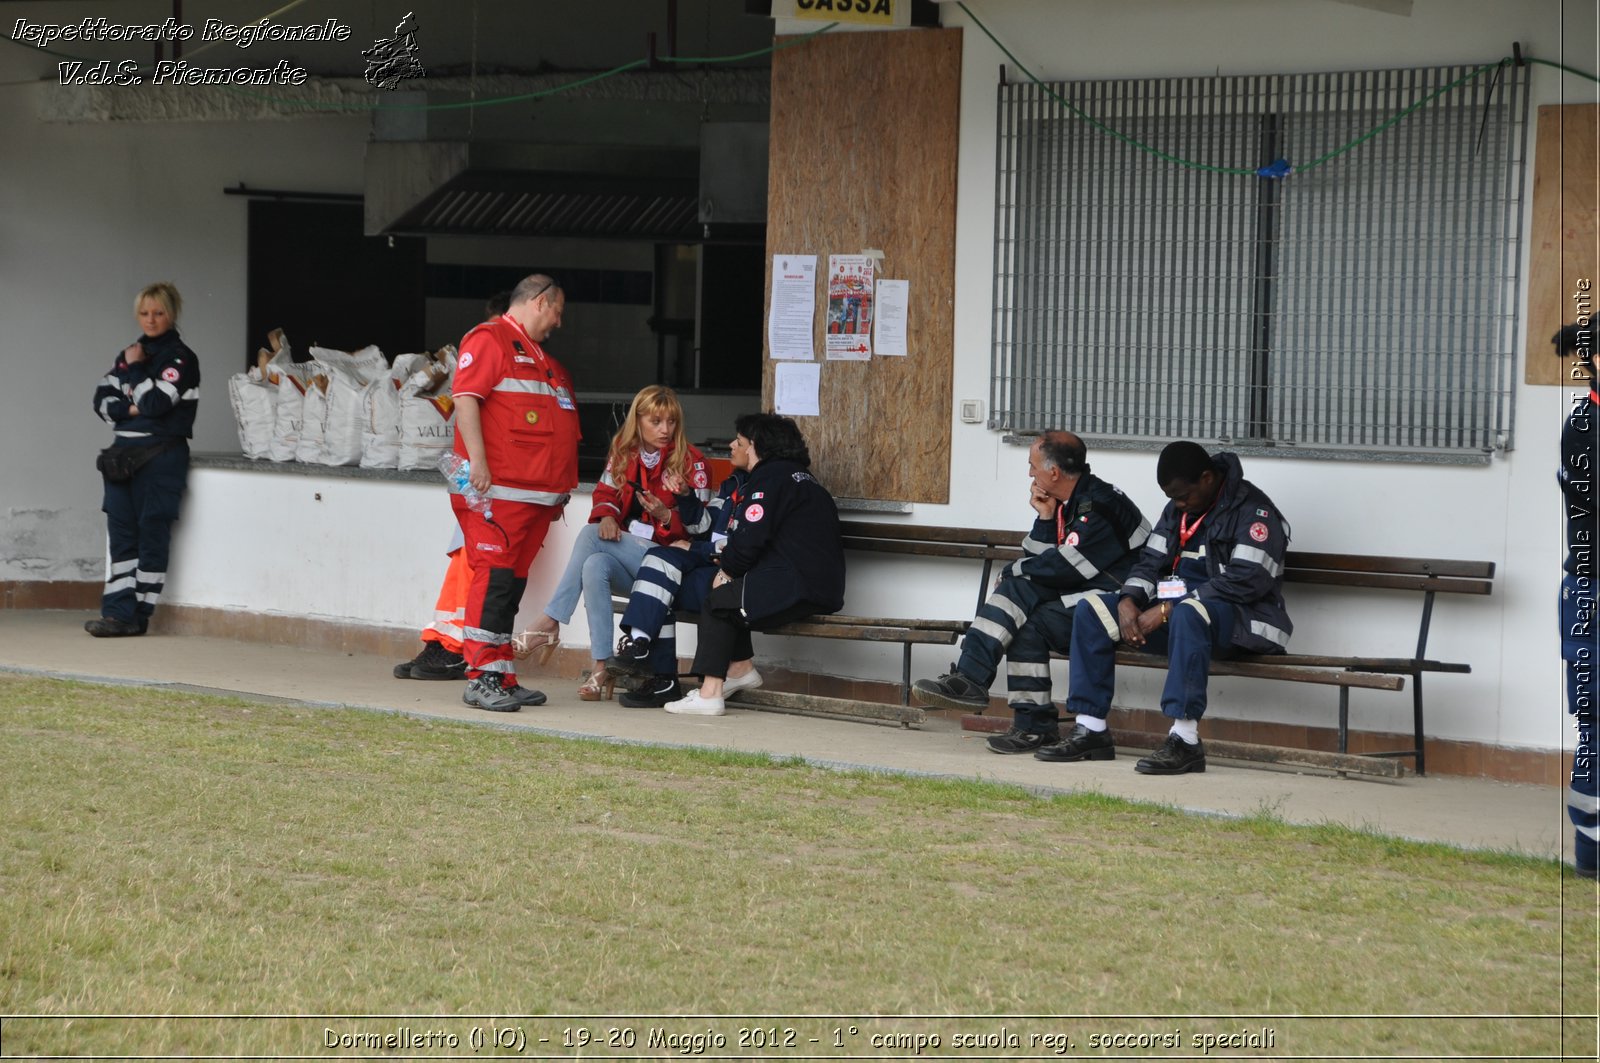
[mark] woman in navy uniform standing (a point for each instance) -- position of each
(149, 397)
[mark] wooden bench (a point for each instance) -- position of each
(957, 543)
(1428, 576)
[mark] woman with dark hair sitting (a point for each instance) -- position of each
(784, 559)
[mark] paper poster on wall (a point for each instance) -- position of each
(889, 337)
(849, 307)
(794, 307)
(795, 387)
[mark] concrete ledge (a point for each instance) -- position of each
(49, 594)
(1445, 756)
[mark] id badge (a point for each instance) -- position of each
(564, 399)
(647, 532)
(1171, 589)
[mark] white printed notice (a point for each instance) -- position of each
(795, 386)
(850, 307)
(889, 335)
(794, 307)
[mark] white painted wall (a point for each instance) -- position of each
(90, 213)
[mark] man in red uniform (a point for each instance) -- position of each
(517, 426)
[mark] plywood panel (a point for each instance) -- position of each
(863, 155)
(1564, 245)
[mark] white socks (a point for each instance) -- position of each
(1188, 730)
(1092, 723)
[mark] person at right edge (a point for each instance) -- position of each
(1209, 582)
(517, 426)
(1578, 641)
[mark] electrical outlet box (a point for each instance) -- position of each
(971, 411)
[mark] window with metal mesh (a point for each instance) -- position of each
(1363, 305)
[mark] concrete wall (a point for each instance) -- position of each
(89, 214)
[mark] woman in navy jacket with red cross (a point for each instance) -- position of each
(149, 397)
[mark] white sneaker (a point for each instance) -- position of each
(749, 681)
(695, 705)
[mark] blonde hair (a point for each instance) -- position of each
(661, 402)
(164, 293)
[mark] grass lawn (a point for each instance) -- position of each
(173, 854)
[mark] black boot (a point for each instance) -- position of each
(653, 693)
(109, 627)
(1081, 744)
(1175, 757)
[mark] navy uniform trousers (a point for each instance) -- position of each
(139, 516)
(1579, 648)
(1192, 635)
(1023, 622)
(670, 578)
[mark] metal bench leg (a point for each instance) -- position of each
(1416, 719)
(1416, 678)
(905, 674)
(1344, 719)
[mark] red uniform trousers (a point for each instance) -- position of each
(499, 553)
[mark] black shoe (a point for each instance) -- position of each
(109, 627)
(434, 662)
(950, 691)
(653, 693)
(1081, 744)
(491, 692)
(1173, 758)
(632, 657)
(1017, 740)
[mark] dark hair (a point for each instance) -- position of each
(778, 438)
(496, 304)
(1184, 461)
(1065, 451)
(745, 423)
(1575, 339)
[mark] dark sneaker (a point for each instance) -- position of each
(1017, 740)
(1081, 744)
(653, 693)
(109, 627)
(951, 691)
(489, 691)
(434, 662)
(1173, 758)
(632, 657)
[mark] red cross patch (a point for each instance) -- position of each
(1258, 532)
(754, 513)
(170, 374)
(1072, 539)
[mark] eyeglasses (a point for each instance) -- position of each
(547, 286)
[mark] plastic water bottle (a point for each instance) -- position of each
(458, 471)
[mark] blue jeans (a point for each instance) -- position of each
(596, 570)
(1189, 640)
